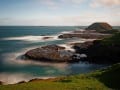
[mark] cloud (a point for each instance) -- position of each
(66, 14)
(104, 3)
(58, 3)
(75, 1)
(48, 2)
(83, 19)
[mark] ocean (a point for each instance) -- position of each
(16, 40)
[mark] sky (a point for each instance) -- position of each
(59, 12)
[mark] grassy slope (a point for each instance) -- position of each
(98, 80)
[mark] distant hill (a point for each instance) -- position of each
(99, 26)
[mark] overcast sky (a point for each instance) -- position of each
(59, 12)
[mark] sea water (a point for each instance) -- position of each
(16, 40)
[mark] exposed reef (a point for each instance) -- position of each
(53, 53)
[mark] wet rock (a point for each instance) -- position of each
(46, 38)
(82, 47)
(52, 53)
(84, 35)
(53, 47)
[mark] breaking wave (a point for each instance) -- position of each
(33, 38)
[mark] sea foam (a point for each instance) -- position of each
(31, 38)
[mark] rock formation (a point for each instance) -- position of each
(52, 53)
(94, 31)
(83, 35)
(45, 38)
(97, 52)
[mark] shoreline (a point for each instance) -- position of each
(30, 80)
(64, 45)
(44, 78)
(52, 79)
(68, 45)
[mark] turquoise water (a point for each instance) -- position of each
(15, 41)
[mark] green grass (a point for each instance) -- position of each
(99, 80)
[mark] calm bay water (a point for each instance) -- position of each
(15, 41)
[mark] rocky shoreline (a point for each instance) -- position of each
(95, 31)
(84, 34)
(99, 53)
(104, 50)
(93, 49)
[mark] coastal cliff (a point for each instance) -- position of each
(101, 51)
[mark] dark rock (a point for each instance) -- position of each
(46, 38)
(82, 47)
(87, 34)
(84, 35)
(84, 31)
(99, 53)
(52, 53)
(53, 47)
(99, 26)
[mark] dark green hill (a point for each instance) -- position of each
(99, 26)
